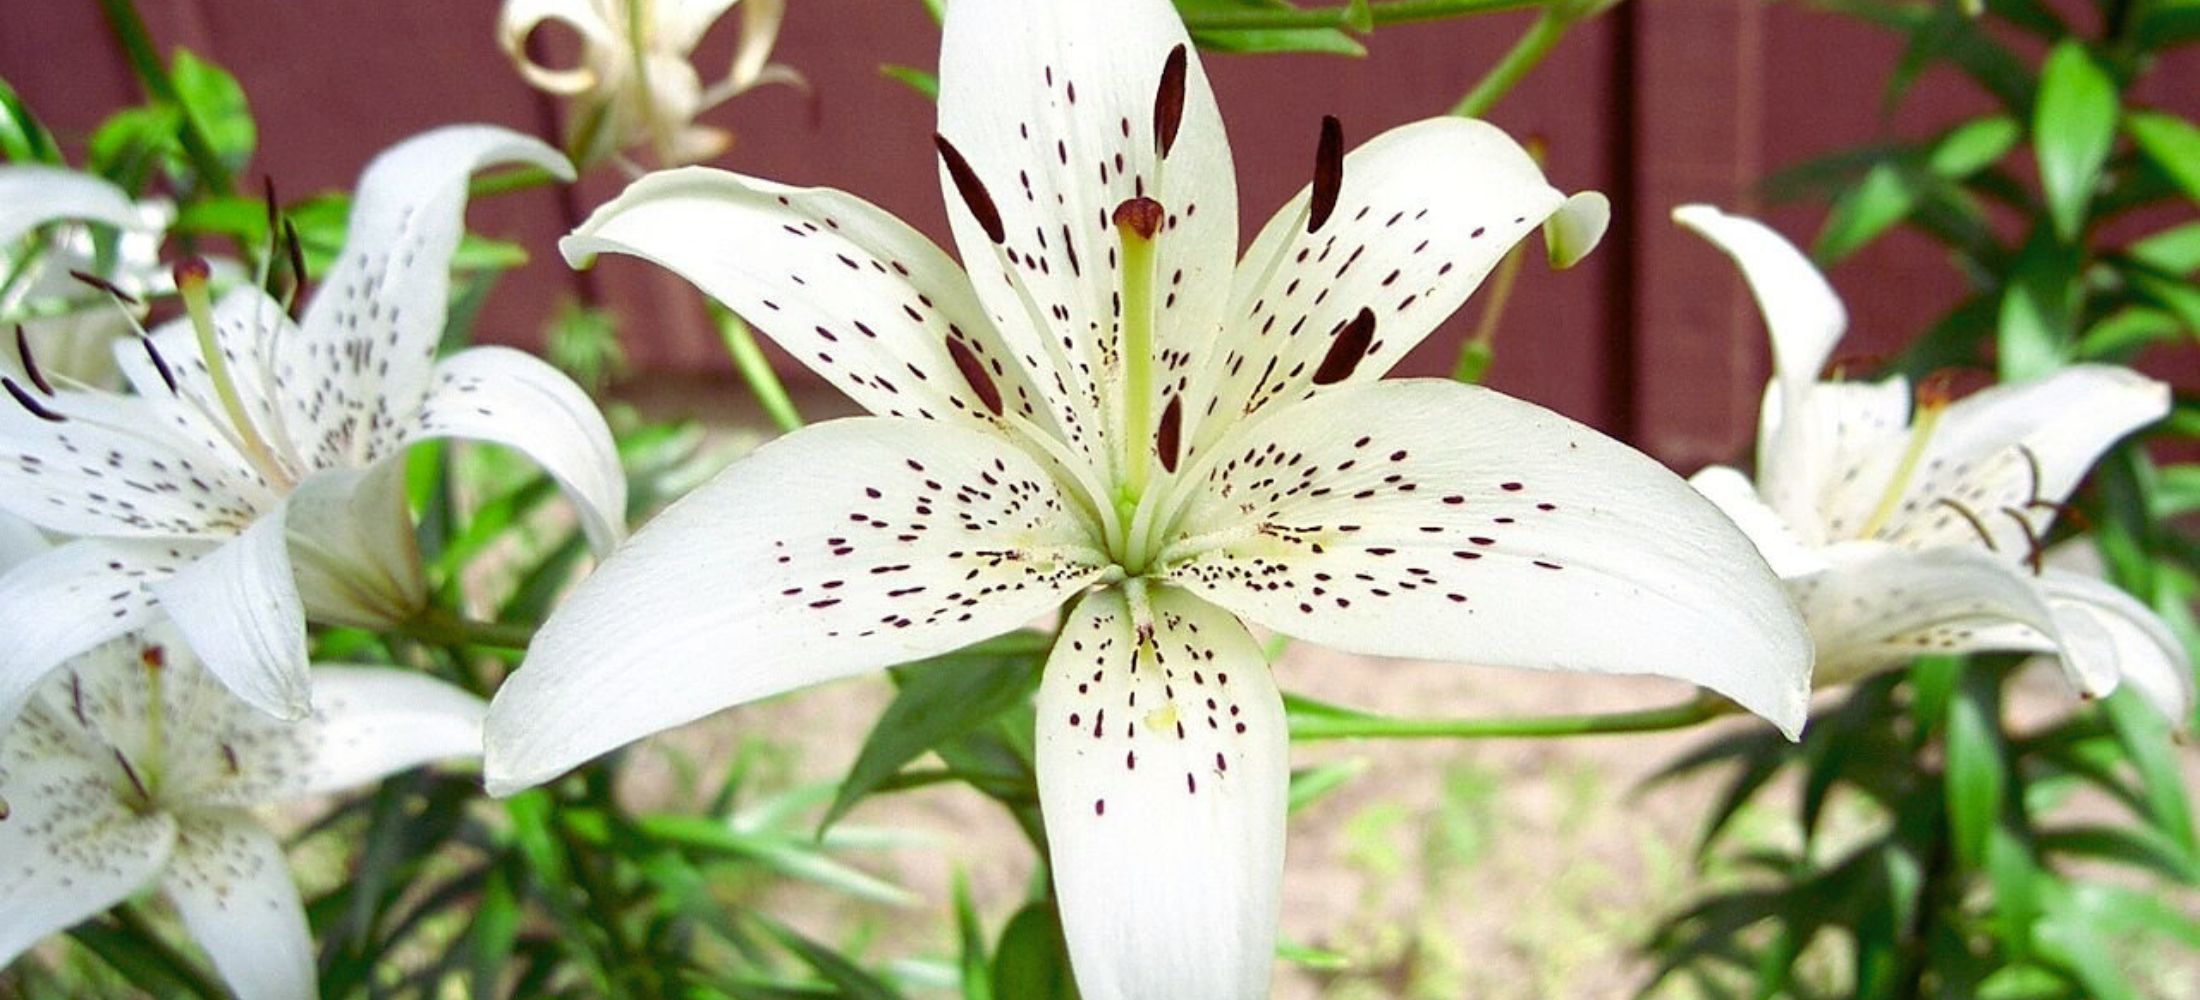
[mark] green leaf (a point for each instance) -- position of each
(132, 144)
(1032, 962)
(1878, 203)
(2073, 128)
(2038, 307)
(1310, 785)
(940, 699)
(921, 81)
(2175, 250)
(22, 138)
(216, 105)
(2172, 143)
(491, 933)
(1973, 146)
(2146, 739)
(977, 973)
(853, 982)
(1975, 777)
(2125, 332)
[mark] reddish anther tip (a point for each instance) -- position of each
(192, 271)
(1140, 215)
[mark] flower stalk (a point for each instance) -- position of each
(152, 73)
(1379, 14)
(1329, 723)
(756, 371)
(1525, 55)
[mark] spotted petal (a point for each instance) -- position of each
(502, 396)
(232, 886)
(1053, 107)
(845, 547)
(69, 599)
(1877, 606)
(1737, 498)
(367, 723)
(1162, 773)
(2002, 460)
(111, 468)
(19, 541)
(68, 847)
(2109, 638)
(1505, 534)
(238, 607)
(1423, 213)
(850, 291)
(372, 329)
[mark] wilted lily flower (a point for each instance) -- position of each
(634, 85)
(1104, 410)
(1907, 531)
(131, 767)
(257, 475)
(46, 219)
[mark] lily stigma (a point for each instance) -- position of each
(1104, 409)
(1912, 523)
(254, 479)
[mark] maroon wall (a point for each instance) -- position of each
(1664, 101)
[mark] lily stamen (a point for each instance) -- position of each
(191, 283)
(2035, 549)
(1138, 221)
(1977, 525)
(30, 403)
(1932, 400)
(30, 361)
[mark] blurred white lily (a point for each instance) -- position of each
(70, 325)
(131, 767)
(1105, 400)
(634, 84)
(1905, 533)
(246, 487)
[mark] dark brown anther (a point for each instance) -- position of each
(30, 361)
(30, 403)
(1171, 430)
(154, 657)
(1168, 102)
(1140, 215)
(160, 364)
(1328, 173)
(972, 190)
(973, 372)
(104, 285)
(1346, 351)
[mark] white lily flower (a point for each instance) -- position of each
(1906, 533)
(1103, 410)
(634, 85)
(133, 767)
(244, 489)
(70, 326)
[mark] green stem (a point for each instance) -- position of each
(1526, 54)
(756, 370)
(1381, 13)
(442, 628)
(508, 181)
(1308, 727)
(174, 962)
(152, 74)
(1480, 349)
(602, 900)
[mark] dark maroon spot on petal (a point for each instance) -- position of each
(1328, 173)
(1347, 350)
(973, 372)
(972, 190)
(1172, 427)
(1511, 487)
(1168, 101)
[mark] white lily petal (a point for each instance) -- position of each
(1802, 313)
(238, 607)
(67, 600)
(519, 18)
(2123, 640)
(1576, 228)
(110, 467)
(249, 328)
(1163, 776)
(32, 195)
(1737, 498)
(19, 541)
(1053, 107)
(353, 550)
(1425, 211)
(68, 847)
(1828, 469)
(844, 547)
(2011, 454)
(681, 24)
(371, 722)
(751, 67)
(849, 290)
(502, 396)
(230, 882)
(1507, 534)
(372, 329)
(1878, 606)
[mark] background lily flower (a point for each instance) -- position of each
(634, 84)
(133, 767)
(1108, 408)
(70, 326)
(1904, 533)
(248, 486)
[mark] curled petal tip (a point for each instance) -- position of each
(1576, 228)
